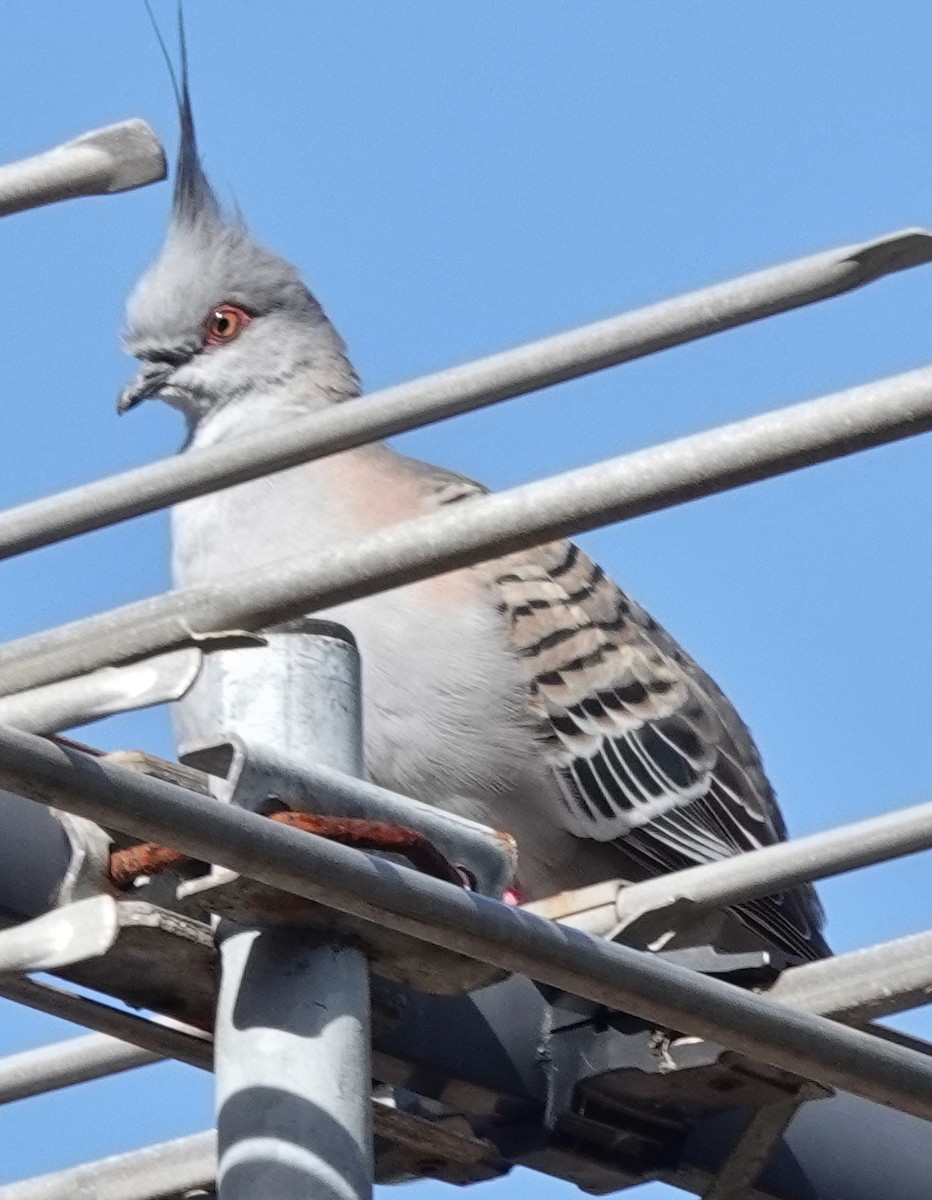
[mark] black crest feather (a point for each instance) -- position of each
(193, 199)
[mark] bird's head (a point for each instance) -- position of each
(217, 319)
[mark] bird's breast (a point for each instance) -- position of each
(444, 706)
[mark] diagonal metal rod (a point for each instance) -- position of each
(644, 911)
(617, 489)
(462, 389)
(113, 159)
(161, 1036)
(168, 1169)
(62, 1064)
(441, 914)
(863, 985)
(674, 897)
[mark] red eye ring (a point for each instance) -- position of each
(225, 322)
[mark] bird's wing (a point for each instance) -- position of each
(644, 746)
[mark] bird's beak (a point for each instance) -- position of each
(149, 382)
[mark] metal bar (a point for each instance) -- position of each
(68, 934)
(269, 696)
(74, 702)
(864, 985)
(617, 489)
(167, 1169)
(293, 1070)
(113, 159)
(160, 1035)
(441, 914)
(292, 1038)
(461, 389)
(675, 897)
(643, 910)
(62, 1064)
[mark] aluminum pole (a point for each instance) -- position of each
(676, 897)
(292, 1037)
(485, 527)
(439, 913)
(62, 1064)
(292, 1066)
(113, 159)
(169, 1169)
(862, 985)
(644, 911)
(162, 1036)
(461, 389)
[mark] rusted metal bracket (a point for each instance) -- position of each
(392, 955)
(148, 858)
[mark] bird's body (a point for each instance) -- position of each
(469, 686)
(528, 693)
(464, 739)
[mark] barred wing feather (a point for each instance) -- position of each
(644, 746)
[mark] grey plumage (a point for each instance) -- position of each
(528, 692)
(210, 258)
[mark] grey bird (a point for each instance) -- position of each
(529, 693)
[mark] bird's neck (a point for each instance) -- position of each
(246, 414)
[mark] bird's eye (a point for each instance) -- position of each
(224, 324)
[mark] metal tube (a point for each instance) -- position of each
(62, 1064)
(865, 984)
(293, 1076)
(168, 1169)
(113, 159)
(296, 694)
(73, 702)
(292, 1037)
(439, 913)
(461, 389)
(462, 534)
(763, 872)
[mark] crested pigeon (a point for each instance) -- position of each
(529, 692)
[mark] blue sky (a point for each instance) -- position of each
(458, 178)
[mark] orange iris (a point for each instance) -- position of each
(226, 322)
